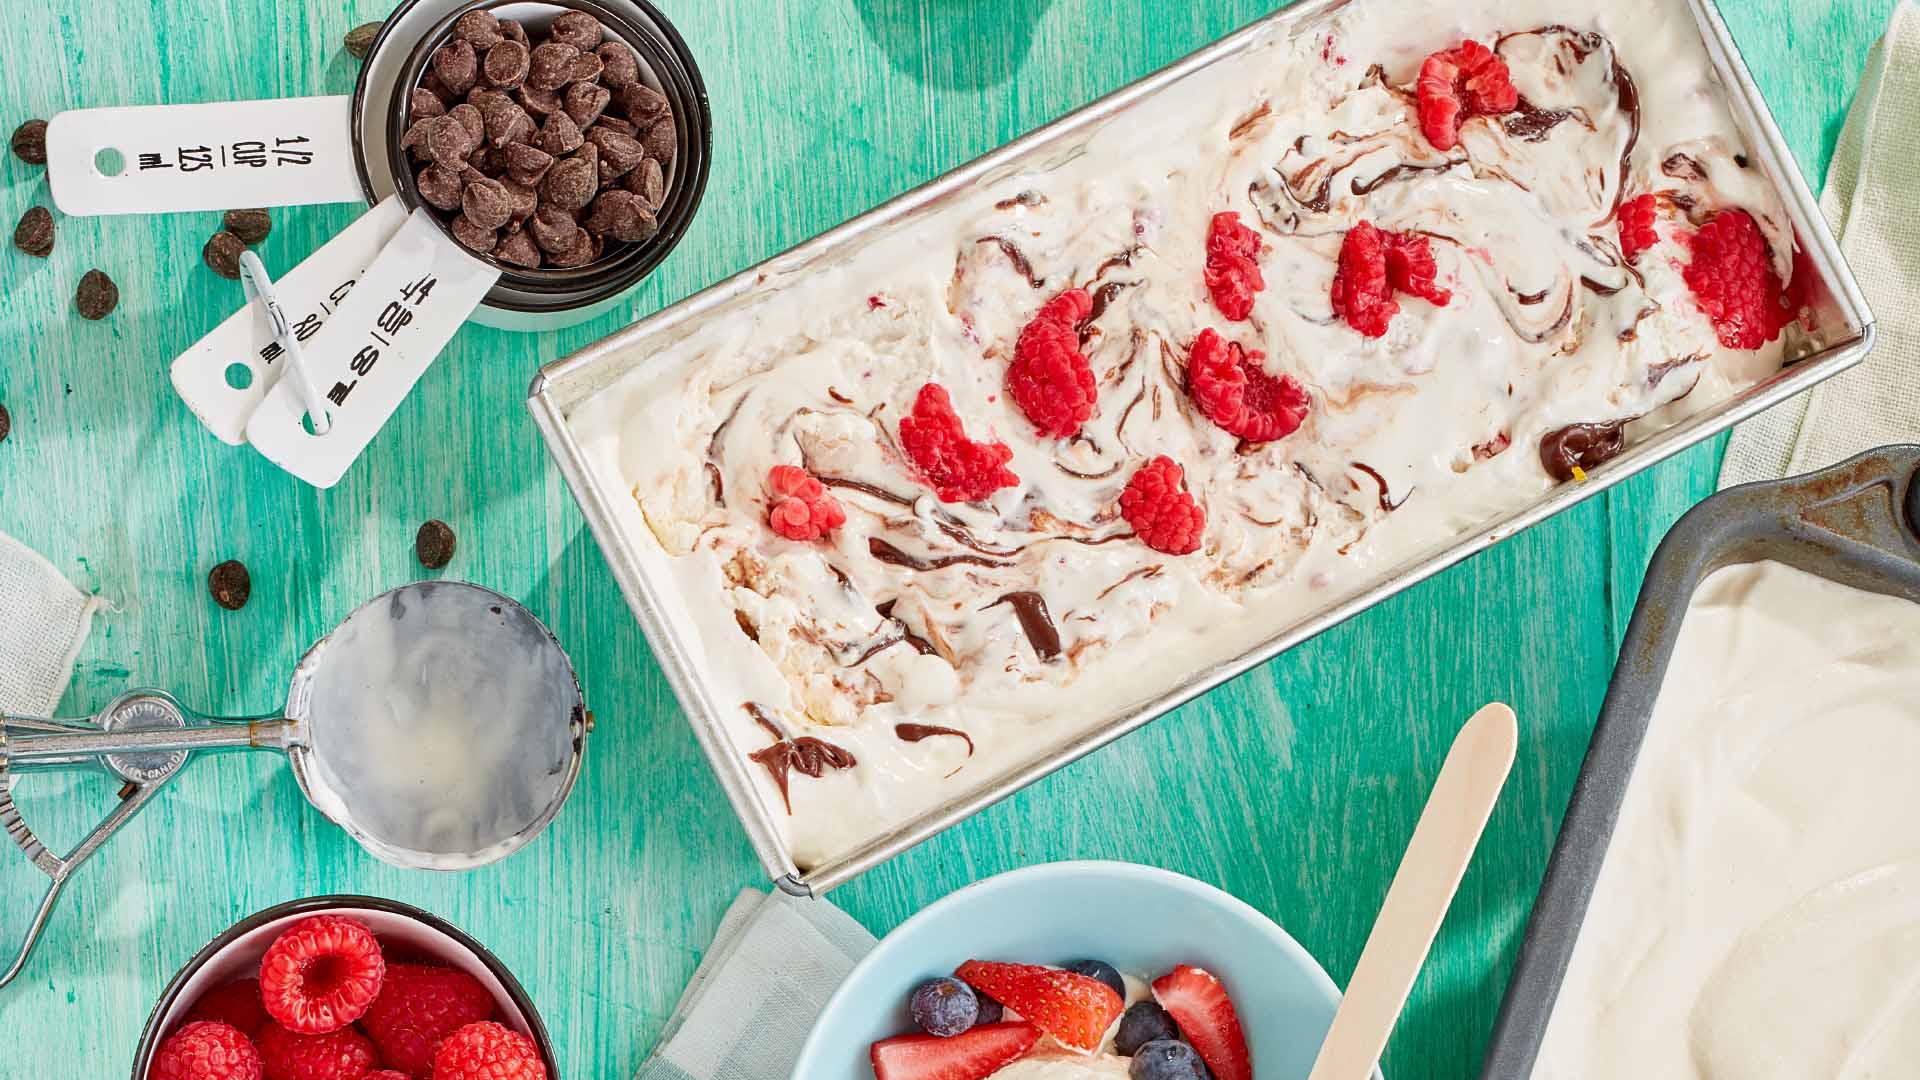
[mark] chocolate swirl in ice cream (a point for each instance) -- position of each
(917, 611)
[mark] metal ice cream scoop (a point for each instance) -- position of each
(440, 725)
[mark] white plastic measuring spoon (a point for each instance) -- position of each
(1443, 842)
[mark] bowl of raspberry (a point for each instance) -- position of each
(344, 988)
(1078, 971)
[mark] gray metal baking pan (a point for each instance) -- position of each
(1843, 336)
(1857, 523)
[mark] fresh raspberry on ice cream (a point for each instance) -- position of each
(1459, 83)
(1050, 378)
(1233, 269)
(1160, 509)
(956, 467)
(1636, 226)
(1361, 294)
(1236, 393)
(798, 506)
(1731, 277)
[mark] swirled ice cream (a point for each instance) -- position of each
(1756, 914)
(922, 649)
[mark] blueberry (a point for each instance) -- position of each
(1145, 1022)
(990, 1011)
(1167, 1059)
(1103, 971)
(943, 1006)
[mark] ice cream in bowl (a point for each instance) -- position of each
(1076, 970)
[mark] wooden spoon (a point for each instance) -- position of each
(1437, 856)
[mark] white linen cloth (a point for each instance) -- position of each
(773, 964)
(43, 621)
(1872, 200)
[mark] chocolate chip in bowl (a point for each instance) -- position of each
(585, 116)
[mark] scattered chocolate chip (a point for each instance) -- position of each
(551, 65)
(359, 40)
(230, 584)
(649, 182)
(222, 254)
(621, 215)
(526, 163)
(485, 203)
(507, 63)
(578, 29)
(560, 135)
(585, 101)
(481, 158)
(537, 101)
(6, 423)
(34, 234)
(485, 97)
(97, 295)
(552, 228)
(619, 68)
(506, 122)
(570, 184)
(610, 122)
(251, 226)
(514, 31)
(518, 249)
(586, 69)
(480, 29)
(435, 544)
(30, 142)
(474, 235)
(415, 140)
(457, 66)
(619, 154)
(439, 186)
(643, 104)
(425, 103)
(432, 84)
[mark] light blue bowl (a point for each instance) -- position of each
(1140, 919)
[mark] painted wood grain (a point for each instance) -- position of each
(1293, 787)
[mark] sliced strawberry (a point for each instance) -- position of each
(970, 1055)
(1204, 1013)
(1072, 1008)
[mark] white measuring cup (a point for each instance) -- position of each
(441, 725)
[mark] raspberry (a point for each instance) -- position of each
(1636, 226)
(1361, 294)
(1458, 83)
(957, 468)
(320, 974)
(1050, 378)
(337, 1055)
(1732, 279)
(487, 1051)
(1161, 511)
(206, 1050)
(1233, 271)
(1236, 393)
(799, 507)
(420, 1005)
(1411, 269)
(237, 1004)
(386, 1074)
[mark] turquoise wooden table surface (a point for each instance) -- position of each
(1293, 787)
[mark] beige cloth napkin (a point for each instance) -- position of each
(771, 968)
(1872, 200)
(43, 621)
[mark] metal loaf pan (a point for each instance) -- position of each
(1845, 334)
(1857, 523)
